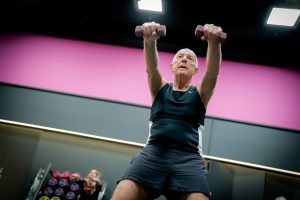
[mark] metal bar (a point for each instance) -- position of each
(136, 144)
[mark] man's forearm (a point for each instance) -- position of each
(213, 59)
(151, 55)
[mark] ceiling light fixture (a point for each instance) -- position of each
(283, 16)
(150, 5)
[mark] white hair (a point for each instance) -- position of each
(280, 198)
(191, 52)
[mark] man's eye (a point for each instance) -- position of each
(191, 59)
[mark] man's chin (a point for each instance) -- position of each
(182, 72)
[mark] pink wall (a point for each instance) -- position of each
(247, 92)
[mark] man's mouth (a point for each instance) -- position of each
(182, 67)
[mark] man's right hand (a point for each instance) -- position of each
(149, 31)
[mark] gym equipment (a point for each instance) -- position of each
(161, 31)
(54, 185)
(199, 32)
(63, 182)
(70, 195)
(56, 174)
(48, 191)
(52, 181)
(55, 198)
(59, 192)
(44, 198)
(74, 186)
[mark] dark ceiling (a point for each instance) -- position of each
(114, 21)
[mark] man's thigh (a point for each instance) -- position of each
(187, 196)
(129, 190)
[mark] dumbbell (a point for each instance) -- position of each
(199, 32)
(161, 31)
(59, 192)
(48, 191)
(52, 181)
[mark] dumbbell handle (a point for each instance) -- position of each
(161, 31)
(199, 32)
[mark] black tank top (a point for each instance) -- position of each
(177, 119)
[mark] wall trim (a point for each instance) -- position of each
(144, 106)
(140, 145)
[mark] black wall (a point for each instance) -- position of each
(29, 149)
(270, 146)
(252, 143)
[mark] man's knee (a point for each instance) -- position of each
(129, 190)
(194, 196)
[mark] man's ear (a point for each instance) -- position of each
(171, 67)
(195, 71)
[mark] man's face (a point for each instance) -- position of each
(184, 62)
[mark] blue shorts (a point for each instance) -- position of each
(167, 171)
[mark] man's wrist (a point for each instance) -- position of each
(149, 43)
